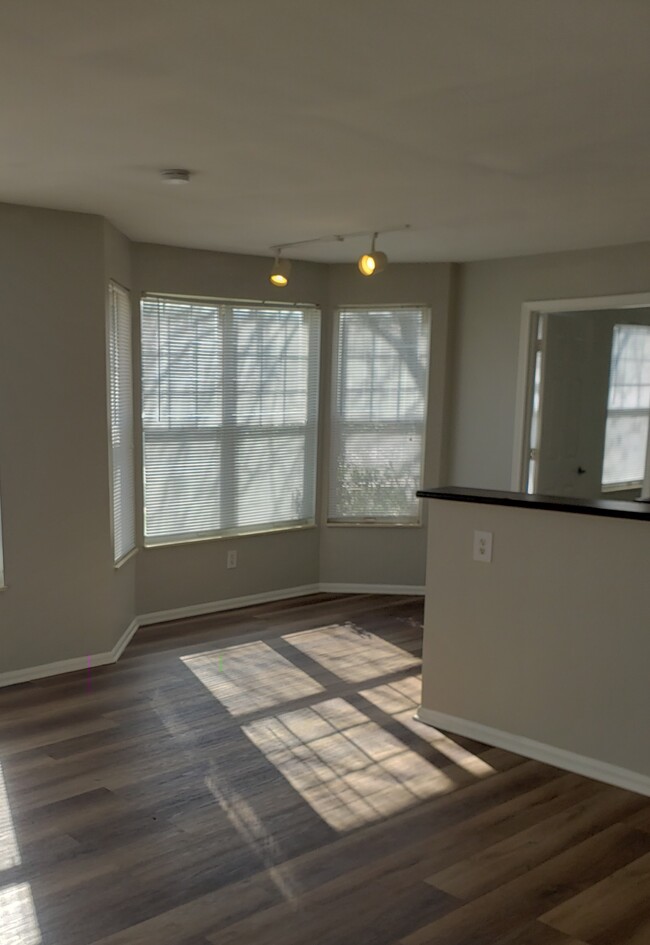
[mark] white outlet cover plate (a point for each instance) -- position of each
(483, 547)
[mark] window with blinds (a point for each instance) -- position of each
(379, 412)
(230, 417)
(628, 408)
(120, 399)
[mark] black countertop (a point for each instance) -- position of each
(640, 511)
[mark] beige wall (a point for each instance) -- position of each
(550, 641)
(484, 366)
(59, 602)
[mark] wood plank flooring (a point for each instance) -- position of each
(258, 777)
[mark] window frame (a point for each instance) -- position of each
(311, 425)
(374, 521)
(114, 286)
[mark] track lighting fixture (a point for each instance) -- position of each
(369, 263)
(372, 262)
(280, 272)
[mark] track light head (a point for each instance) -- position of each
(372, 262)
(279, 275)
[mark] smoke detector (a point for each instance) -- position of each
(176, 175)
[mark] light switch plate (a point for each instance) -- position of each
(483, 547)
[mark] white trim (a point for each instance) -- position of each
(522, 398)
(70, 666)
(231, 603)
(124, 640)
(179, 613)
(112, 287)
(127, 557)
(52, 669)
(227, 536)
(417, 590)
(549, 754)
(374, 523)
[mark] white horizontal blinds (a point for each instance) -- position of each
(121, 421)
(628, 407)
(273, 389)
(182, 413)
(379, 414)
(230, 404)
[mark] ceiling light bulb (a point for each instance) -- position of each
(279, 275)
(372, 262)
(367, 264)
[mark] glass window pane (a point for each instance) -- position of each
(626, 435)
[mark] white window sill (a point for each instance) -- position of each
(230, 536)
(364, 524)
(127, 557)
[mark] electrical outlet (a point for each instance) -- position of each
(231, 560)
(483, 546)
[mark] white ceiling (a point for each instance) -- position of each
(493, 127)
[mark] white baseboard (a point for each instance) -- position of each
(231, 603)
(31, 673)
(74, 665)
(417, 590)
(52, 669)
(519, 745)
(124, 641)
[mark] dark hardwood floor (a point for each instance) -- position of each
(257, 777)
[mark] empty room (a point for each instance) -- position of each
(324, 472)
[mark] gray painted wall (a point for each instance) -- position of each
(367, 554)
(60, 598)
(550, 641)
(484, 366)
(64, 598)
(188, 574)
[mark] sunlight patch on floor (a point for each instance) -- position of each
(250, 677)
(346, 767)
(351, 654)
(9, 852)
(400, 699)
(17, 916)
